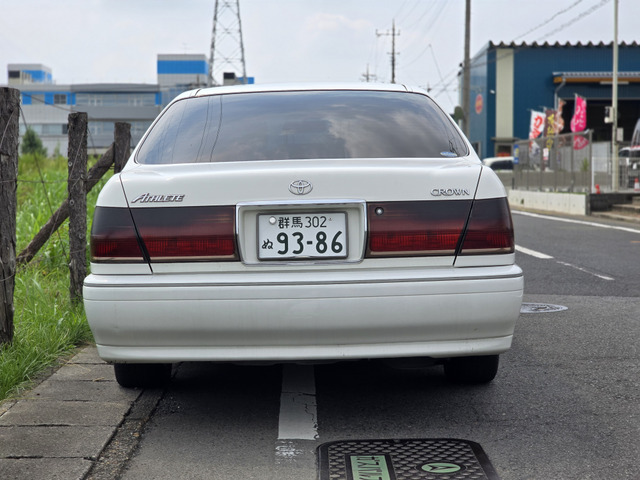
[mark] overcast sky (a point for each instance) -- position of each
(94, 41)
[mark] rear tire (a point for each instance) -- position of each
(144, 375)
(472, 370)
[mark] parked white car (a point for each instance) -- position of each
(302, 223)
(498, 163)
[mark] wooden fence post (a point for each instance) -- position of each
(93, 176)
(78, 123)
(121, 145)
(9, 138)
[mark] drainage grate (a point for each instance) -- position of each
(541, 308)
(410, 459)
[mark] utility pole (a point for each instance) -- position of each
(393, 35)
(466, 67)
(614, 109)
(369, 77)
(227, 48)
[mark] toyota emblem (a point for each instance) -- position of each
(300, 187)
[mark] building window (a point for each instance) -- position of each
(45, 129)
(37, 99)
(60, 99)
(117, 99)
(14, 73)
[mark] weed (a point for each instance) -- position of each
(46, 324)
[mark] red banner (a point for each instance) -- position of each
(579, 122)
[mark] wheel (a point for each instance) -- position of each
(131, 375)
(472, 370)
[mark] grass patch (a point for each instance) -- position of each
(46, 324)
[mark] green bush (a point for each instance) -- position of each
(31, 144)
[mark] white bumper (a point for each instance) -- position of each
(280, 316)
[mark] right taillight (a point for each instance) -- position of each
(426, 228)
(490, 229)
(437, 228)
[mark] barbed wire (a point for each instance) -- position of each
(44, 186)
(19, 268)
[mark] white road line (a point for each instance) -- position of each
(579, 222)
(298, 408)
(603, 277)
(533, 253)
(544, 256)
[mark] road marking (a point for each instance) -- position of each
(298, 421)
(603, 277)
(544, 256)
(533, 253)
(298, 408)
(579, 222)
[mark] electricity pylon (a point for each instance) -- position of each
(227, 49)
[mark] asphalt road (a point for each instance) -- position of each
(565, 404)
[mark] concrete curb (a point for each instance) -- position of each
(59, 429)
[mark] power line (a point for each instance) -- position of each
(546, 22)
(575, 19)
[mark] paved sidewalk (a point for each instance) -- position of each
(58, 429)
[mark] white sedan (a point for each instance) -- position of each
(303, 223)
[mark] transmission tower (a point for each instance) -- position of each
(227, 50)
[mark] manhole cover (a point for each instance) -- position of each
(541, 308)
(411, 459)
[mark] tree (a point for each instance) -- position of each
(31, 143)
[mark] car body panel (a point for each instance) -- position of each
(334, 314)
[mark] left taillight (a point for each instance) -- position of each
(173, 234)
(187, 234)
(113, 237)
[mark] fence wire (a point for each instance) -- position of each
(71, 160)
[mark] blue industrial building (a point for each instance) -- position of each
(508, 81)
(46, 105)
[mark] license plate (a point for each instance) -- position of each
(302, 236)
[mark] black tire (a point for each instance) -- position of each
(144, 375)
(472, 370)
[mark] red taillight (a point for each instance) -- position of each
(183, 234)
(113, 236)
(436, 228)
(416, 228)
(490, 229)
(187, 233)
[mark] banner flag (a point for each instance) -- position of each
(579, 122)
(537, 124)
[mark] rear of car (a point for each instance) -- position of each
(303, 223)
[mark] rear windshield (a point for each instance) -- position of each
(301, 125)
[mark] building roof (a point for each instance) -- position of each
(595, 77)
(560, 45)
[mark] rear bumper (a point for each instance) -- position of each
(283, 316)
